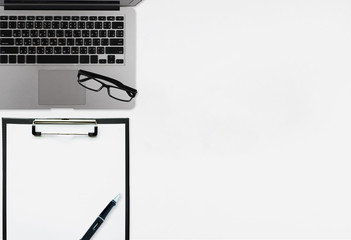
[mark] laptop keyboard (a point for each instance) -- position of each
(62, 40)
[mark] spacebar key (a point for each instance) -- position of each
(47, 59)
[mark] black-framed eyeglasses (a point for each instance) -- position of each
(115, 89)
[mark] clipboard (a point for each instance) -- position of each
(73, 168)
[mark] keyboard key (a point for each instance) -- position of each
(81, 25)
(100, 50)
(23, 18)
(39, 18)
(42, 33)
(119, 61)
(17, 33)
(18, 41)
(30, 58)
(77, 33)
(57, 50)
(48, 18)
(119, 18)
(4, 25)
(66, 18)
(75, 18)
(79, 41)
(21, 25)
(84, 59)
(111, 59)
(12, 25)
(55, 25)
(119, 33)
(57, 18)
(33, 33)
(84, 18)
(102, 18)
(59, 33)
(36, 41)
(111, 18)
(116, 42)
(98, 25)
(87, 41)
(7, 41)
(83, 50)
(68, 33)
(30, 18)
(111, 33)
(38, 25)
(61, 41)
(3, 59)
(92, 50)
(89, 25)
(29, 25)
(66, 50)
(104, 41)
(40, 50)
(6, 33)
(20, 59)
(47, 25)
(23, 50)
(94, 33)
(51, 33)
(107, 25)
(85, 33)
(44, 41)
(57, 59)
(102, 61)
(49, 50)
(102, 33)
(53, 41)
(27, 41)
(94, 59)
(117, 25)
(72, 25)
(96, 41)
(70, 41)
(13, 17)
(74, 50)
(12, 58)
(64, 25)
(92, 18)
(32, 50)
(114, 50)
(25, 33)
(3, 18)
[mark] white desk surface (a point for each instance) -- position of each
(242, 122)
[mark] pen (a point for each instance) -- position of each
(100, 219)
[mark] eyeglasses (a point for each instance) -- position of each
(115, 89)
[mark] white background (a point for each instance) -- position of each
(242, 122)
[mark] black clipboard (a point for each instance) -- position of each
(34, 132)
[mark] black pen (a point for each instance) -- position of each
(101, 218)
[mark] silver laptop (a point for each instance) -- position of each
(67, 54)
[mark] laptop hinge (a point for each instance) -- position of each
(104, 5)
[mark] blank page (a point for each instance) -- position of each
(64, 183)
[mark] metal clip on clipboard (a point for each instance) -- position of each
(37, 122)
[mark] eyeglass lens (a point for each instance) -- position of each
(96, 85)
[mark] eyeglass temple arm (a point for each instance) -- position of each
(111, 80)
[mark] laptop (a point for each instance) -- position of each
(45, 43)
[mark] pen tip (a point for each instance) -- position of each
(117, 198)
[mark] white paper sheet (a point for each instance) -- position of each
(58, 185)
